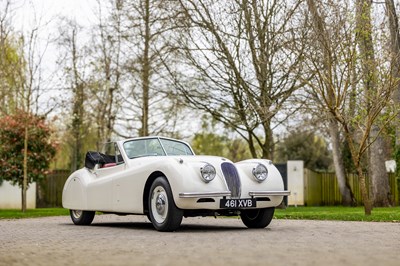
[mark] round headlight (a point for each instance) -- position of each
(260, 172)
(207, 172)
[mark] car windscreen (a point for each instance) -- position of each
(173, 147)
(153, 147)
(143, 147)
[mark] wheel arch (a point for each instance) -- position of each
(147, 186)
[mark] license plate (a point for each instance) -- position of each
(237, 203)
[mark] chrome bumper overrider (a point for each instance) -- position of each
(228, 193)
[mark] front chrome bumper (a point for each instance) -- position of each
(204, 194)
(269, 193)
(228, 193)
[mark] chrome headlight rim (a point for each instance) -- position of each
(207, 172)
(260, 173)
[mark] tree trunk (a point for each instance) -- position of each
(378, 176)
(25, 177)
(78, 109)
(345, 190)
(77, 122)
(251, 145)
(364, 192)
(268, 144)
(146, 73)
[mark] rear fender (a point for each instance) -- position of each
(74, 191)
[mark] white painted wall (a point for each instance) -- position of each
(10, 196)
(390, 166)
(295, 173)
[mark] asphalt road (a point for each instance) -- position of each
(131, 240)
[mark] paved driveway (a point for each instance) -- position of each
(131, 240)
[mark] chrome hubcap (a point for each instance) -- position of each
(159, 204)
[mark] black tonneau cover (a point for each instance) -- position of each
(94, 157)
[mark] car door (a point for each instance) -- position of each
(101, 190)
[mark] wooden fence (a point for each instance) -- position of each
(322, 189)
(49, 190)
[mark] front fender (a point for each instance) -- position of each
(273, 182)
(184, 177)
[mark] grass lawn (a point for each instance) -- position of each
(310, 213)
(339, 213)
(32, 213)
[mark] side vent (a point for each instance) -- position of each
(232, 178)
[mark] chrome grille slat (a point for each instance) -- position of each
(232, 178)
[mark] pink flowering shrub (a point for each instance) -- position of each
(41, 149)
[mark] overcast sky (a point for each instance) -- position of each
(26, 10)
(24, 15)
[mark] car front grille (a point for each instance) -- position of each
(232, 178)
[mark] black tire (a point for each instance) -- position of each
(164, 214)
(257, 218)
(82, 217)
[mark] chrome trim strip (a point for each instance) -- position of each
(269, 193)
(204, 194)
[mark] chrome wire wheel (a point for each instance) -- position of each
(159, 204)
(163, 213)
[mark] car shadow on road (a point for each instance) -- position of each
(186, 228)
(193, 228)
(125, 225)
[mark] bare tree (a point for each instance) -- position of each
(369, 72)
(11, 62)
(106, 77)
(327, 42)
(114, 75)
(74, 72)
(395, 66)
(238, 65)
(334, 65)
(148, 27)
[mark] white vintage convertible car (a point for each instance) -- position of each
(163, 179)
